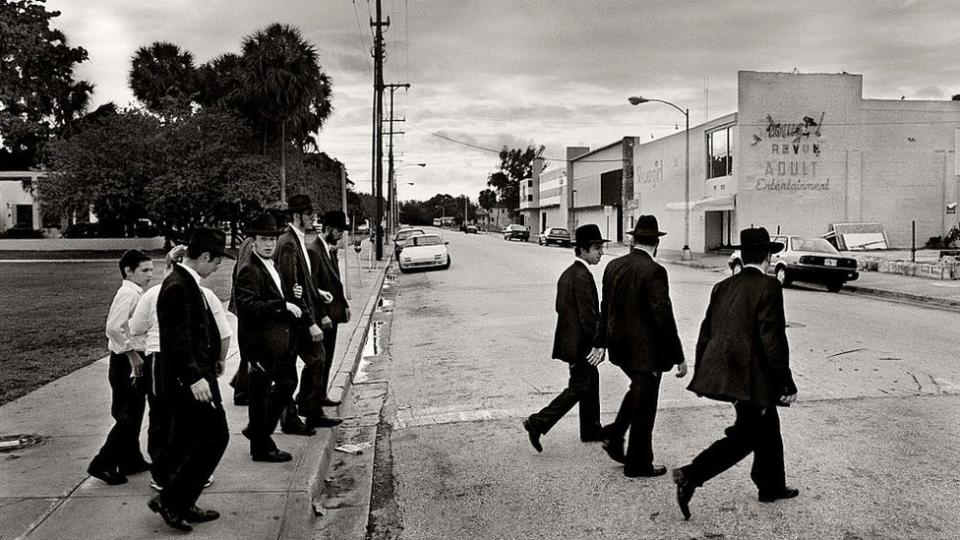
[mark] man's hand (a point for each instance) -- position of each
(315, 333)
(136, 364)
(294, 310)
(201, 390)
(297, 291)
(596, 356)
(348, 315)
(326, 296)
(326, 323)
(787, 399)
(682, 370)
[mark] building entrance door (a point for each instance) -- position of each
(719, 229)
(25, 216)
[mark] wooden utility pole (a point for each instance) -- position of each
(391, 181)
(377, 169)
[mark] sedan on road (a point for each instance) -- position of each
(516, 231)
(554, 235)
(424, 251)
(808, 259)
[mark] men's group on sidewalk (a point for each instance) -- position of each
(168, 346)
(742, 357)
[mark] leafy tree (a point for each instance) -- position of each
(163, 78)
(38, 95)
(956, 97)
(515, 165)
(487, 199)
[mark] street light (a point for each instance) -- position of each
(395, 207)
(687, 254)
(396, 198)
(574, 209)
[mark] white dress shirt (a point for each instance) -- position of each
(272, 270)
(303, 247)
(144, 324)
(125, 301)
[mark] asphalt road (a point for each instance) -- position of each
(873, 441)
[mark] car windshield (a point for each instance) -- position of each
(515, 228)
(425, 241)
(559, 231)
(816, 245)
(403, 235)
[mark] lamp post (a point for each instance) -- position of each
(395, 207)
(687, 254)
(397, 223)
(574, 209)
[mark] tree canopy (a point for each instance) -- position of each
(515, 165)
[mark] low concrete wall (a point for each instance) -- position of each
(82, 244)
(941, 270)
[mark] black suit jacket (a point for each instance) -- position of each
(293, 271)
(636, 316)
(578, 314)
(742, 351)
(189, 337)
(263, 320)
(326, 276)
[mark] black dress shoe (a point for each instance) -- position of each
(171, 518)
(135, 468)
(323, 421)
(273, 456)
(652, 471)
(612, 445)
(685, 491)
(112, 477)
(327, 402)
(299, 429)
(199, 515)
(785, 493)
(533, 434)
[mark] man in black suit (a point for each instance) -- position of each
(743, 357)
(294, 266)
(639, 332)
(265, 320)
(326, 277)
(578, 313)
(190, 341)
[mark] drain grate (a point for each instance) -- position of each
(12, 443)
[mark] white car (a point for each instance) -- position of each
(424, 251)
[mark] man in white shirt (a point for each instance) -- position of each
(120, 454)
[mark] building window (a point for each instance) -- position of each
(719, 156)
(25, 216)
(530, 183)
(529, 198)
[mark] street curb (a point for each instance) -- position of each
(902, 297)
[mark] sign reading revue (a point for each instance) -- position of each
(791, 165)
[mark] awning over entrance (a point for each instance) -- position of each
(720, 202)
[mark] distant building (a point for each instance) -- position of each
(18, 204)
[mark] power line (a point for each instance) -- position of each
(366, 50)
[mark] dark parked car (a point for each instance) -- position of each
(471, 229)
(516, 231)
(554, 235)
(808, 259)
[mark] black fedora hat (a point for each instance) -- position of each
(647, 227)
(263, 225)
(758, 239)
(587, 235)
(336, 219)
(299, 203)
(212, 240)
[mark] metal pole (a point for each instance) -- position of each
(390, 173)
(687, 254)
(378, 129)
(346, 237)
(913, 245)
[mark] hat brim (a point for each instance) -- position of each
(772, 247)
(221, 253)
(277, 232)
(645, 234)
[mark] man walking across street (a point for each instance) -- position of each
(743, 357)
(638, 330)
(190, 343)
(265, 321)
(120, 454)
(326, 277)
(578, 311)
(297, 276)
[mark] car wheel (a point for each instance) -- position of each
(736, 267)
(540, 241)
(834, 286)
(782, 276)
(449, 260)
(403, 270)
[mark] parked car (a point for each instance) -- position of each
(401, 237)
(516, 231)
(808, 259)
(471, 229)
(424, 251)
(554, 235)
(363, 228)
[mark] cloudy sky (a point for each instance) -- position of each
(488, 73)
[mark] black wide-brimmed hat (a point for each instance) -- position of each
(297, 204)
(212, 240)
(647, 227)
(758, 239)
(336, 219)
(587, 235)
(263, 225)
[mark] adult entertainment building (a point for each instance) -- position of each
(803, 152)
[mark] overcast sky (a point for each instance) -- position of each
(513, 72)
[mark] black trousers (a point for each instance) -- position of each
(240, 381)
(583, 388)
(270, 391)
(160, 425)
(198, 440)
(638, 412)
(127, 403)
(313, 378)
(757, 430)
(329, 349)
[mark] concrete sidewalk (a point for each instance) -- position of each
(45, 491)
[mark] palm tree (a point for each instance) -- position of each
(163, 77)
(283, 80)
